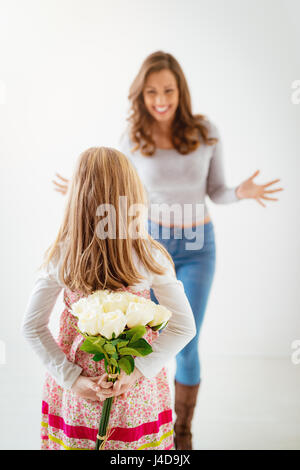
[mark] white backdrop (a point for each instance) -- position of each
(65, 71)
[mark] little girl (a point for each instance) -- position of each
(86, 257)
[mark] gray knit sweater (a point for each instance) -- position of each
(173, 180)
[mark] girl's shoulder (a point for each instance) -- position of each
(52, 268)
(151, 277)
(169, 275)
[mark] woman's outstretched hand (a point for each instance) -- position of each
(61, 185)
(248, 189)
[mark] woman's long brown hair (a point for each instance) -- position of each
(188, 130)
(89, 261)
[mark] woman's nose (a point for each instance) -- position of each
(160, 100)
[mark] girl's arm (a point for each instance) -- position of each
(216, 186)
(181, 327)
(35, 330)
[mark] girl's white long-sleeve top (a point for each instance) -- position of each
(168, 290)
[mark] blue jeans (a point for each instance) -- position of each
(195, 268)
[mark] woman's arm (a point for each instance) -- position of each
(35, 330)
(221, 194)
(181, 327)
(216, 187)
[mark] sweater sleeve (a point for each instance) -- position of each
(124, 144)
(36, 331)
(216, 187)
(181, 327)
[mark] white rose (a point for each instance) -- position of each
(90, 323)
(98, 297)
(136, 298)
(92, 303)
(161, 315)
(79, 307)
(139, 313)
(116, 301)
(112, 322)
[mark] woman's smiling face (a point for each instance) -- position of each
(161, 95)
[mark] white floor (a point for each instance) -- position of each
(244, 403)
(248, 403)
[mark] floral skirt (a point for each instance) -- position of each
(140, 421)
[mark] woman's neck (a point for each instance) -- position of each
(162, 129)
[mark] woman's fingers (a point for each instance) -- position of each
(261, 203)
(254, 174)
(271, 182)
(269, 198)
(58, 185)
(61, 178)
(274, 190)
(60, 191)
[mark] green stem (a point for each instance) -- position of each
(104, 420)
(104, 417)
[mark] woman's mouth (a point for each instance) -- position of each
(161, 109)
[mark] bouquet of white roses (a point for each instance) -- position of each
(113, 325)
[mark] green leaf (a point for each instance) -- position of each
(98, 357)
(99, 340)
(122, 343)
(142, 347)
(130, 351)
(114, 342)
(137, 331)
(113, 362)
(96, 339)
(136, 337)
(127, 364)
(89, 347)
(106, 365)
(109, 348)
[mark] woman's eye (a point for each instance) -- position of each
(169, 91)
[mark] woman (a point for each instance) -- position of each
(178, 156)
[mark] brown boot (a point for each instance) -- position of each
(185, 402)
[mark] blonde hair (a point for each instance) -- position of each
(189, 130)
(90, 262)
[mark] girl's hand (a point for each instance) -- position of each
(248, 189)
(122, 385)
(86, 387)
(61, 185)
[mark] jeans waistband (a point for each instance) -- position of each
(173, 230)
